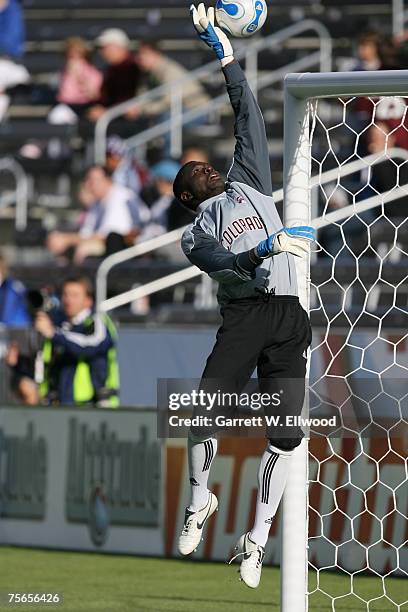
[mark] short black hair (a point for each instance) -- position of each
(181, 183)
(81, 279)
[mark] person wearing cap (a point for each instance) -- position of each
(163, 175)
(124, 164)
(127, 171)
(121, 77)
(179, 215)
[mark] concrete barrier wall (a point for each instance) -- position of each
(99, 480)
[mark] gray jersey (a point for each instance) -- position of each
(245, 214)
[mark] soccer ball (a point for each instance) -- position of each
(241, 18)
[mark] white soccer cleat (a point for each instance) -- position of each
(251, 564)
(193, 526)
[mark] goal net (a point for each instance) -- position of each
(347, 159)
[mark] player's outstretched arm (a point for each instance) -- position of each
(250, 164)
(251, 156)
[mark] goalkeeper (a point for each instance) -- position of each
(238, 239)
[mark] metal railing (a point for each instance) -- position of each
(104, 304)
(174, 124)
(360, 207)
(139, 249)
(8, 164)
(398, 17)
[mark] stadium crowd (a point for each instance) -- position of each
(127, 199)
(59, 351)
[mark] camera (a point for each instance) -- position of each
(43, 299)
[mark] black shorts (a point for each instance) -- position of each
(267, 332)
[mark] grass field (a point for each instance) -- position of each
(116, 583)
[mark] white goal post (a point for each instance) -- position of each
(300, 89)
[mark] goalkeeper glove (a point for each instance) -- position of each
(213, 36)
(293, 240)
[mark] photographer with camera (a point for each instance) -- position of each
(79, 358)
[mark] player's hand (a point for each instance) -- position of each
(295, 240)
(213, 36)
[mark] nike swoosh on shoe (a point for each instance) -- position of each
(200, 525)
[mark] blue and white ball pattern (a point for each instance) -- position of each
(241, 18)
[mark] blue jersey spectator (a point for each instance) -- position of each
(163, 175)
(13, 306)
(12, 39)
(12, 31)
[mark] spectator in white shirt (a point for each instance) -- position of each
(110, 223)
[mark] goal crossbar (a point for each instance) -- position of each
(358, 83)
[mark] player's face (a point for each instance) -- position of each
(204, 181)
